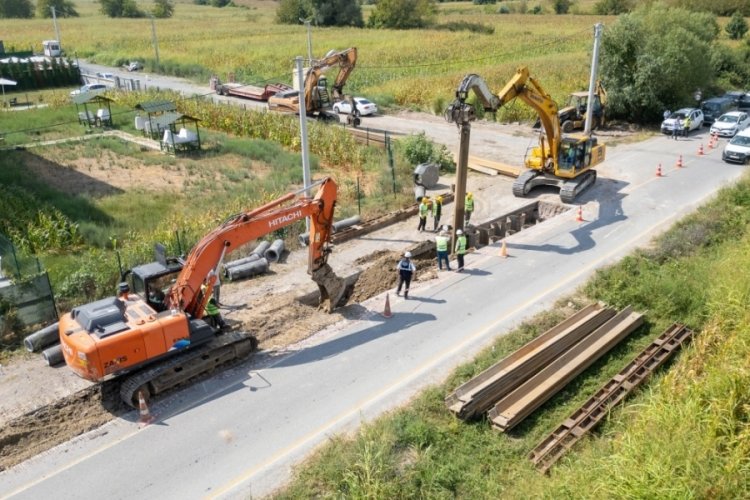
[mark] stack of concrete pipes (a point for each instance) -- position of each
(46, 340)
(256, 263)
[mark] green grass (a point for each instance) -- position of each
(686, 434)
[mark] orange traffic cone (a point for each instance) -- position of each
(711, 142)
(679, 162)
(700, 149)
(146, 417)
(387, 311)
(504, 250)
(579, 215)
(658, 170)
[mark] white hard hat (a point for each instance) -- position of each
(458, 231)
(407, 255)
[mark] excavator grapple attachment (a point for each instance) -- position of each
(334, 291)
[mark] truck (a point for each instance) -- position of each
(247, 91)
(560, 160)
(149, 346)
(51, 48)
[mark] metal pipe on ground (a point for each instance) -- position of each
(53, 355)
(260, 250)
(253, 268)
(273, 254)
(42, 338)
(344, 223)
(239, 262)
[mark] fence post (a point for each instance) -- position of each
(390, 161)
(359, 199)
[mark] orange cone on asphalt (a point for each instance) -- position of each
(700, 149)
(387, 311)
(145, 415)
(679, 162)
(712, 142)
(504, 250)
(579, 215)
(658, 170)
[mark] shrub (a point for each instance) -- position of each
(403, 14)
(291, 11)
(419, 149)
(19, 9)
(466, 26)
(613, 7)
(737, 26)
(163, 9)
(63, 8)
(561, 6)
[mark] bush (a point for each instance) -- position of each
(291, 11)
(120, 8)
(737, 26)
(63, 8)
(403, 14)
(19, 9)
(561, 6)
(613, 7)
(163, 9)
(418, 149)
(466, 26)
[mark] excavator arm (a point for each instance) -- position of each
(346, 60)
(242, 228)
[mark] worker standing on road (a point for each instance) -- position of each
(437, 210)
(424, 211)
(468, 206)
(441, 244)
(406, 270)
(686, 126)
(460, 249)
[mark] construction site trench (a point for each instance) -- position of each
(278, 318)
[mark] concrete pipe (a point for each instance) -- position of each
(239, 262)
(42, 338)
(304, 239)
(53, 355)
(345, 223)
(253, 268)
(260, 250)
(273, 254)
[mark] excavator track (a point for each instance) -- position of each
(179, 368)
(572, 188)
(521, 185)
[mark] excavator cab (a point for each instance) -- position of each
(152, 281)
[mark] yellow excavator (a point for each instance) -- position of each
(564, 161)
(318, 100)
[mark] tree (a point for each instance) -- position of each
(655, 59)
(291, 11)
(737, 26)
(337, 13)
(561, 6)
(16, 9)
(403, 14)
(120, 8)
(162, 9)
(63, 8)
(613, 7)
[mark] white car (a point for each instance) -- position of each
(109, 76)
(677, 119)
(89, 87)
(728, 124)
(738, 149)
(364, 107)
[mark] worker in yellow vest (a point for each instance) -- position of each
(460, 249)
(468, 206)
(441, 245)
(211, 313)
(424, 211)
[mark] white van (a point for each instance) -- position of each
(52, 48)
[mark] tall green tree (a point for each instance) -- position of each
(291, 11)
(403, 14)
(163, 9)
(63, 8)
(120, 8)
(337, 13)
(655, 59)
(737, 26)
(16, 9)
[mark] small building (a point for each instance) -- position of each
(93, 108)
(173, 130)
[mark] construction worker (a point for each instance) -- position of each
(211, 313)
(406, 270)
(424, 211)
(468, 206)
(437, 210)
(460, 249)
(686, 126)
(217, 287)
(441, 245)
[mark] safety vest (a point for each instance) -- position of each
(405, 265)
(461, 245)
(441, 243)
(211, 308)
(423, 209)
(469, 205)
(687, 122)
(437, 209)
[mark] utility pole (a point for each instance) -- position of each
(154, 40)
(309, 40)
(592, 81)
(54, 22)
(303, 132)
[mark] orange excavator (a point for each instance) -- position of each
(155, 347)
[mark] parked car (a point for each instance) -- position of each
(714, 108)
(728, 124)
(364, 107)
(734, 96)
(744, 102)
(677, 119)
(108, 76)
(738, 149)
(134, 66)
(89, 87)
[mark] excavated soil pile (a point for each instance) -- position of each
(48, 426)
(382, 274)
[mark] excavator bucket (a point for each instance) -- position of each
(334, 291)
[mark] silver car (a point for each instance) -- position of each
(728, 124)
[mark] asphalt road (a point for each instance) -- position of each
(238, 434)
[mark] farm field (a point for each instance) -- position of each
(412, 68)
